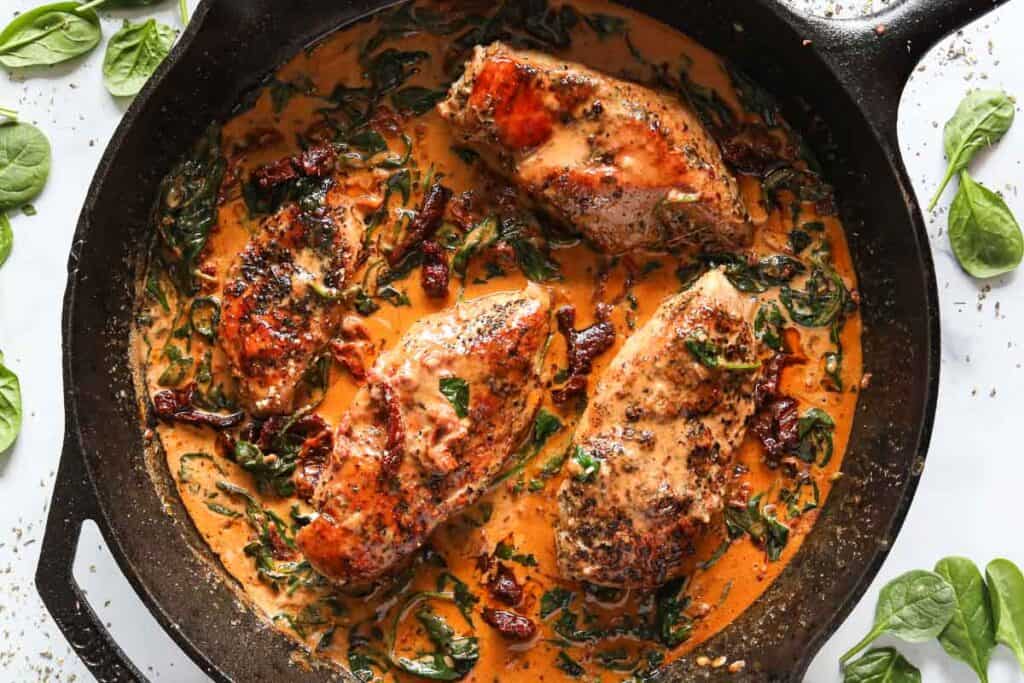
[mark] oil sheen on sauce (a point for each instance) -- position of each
(520, 512)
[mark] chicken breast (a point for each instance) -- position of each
(438, 418)
(281, 304)
(626, 166)
(651, 452)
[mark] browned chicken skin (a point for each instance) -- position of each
(405, 459)
(626, 166)
(662, 426)
(281, 304)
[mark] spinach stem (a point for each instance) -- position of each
(183, 8)
(8, 113)
(942, 187)
(868, 639)
(92, 4)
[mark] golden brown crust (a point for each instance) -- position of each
(273, 321)
(663, 427)
(405, 460)
(627, 166)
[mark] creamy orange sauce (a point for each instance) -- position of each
(522, 512)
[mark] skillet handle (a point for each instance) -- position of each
(74, 501)
(876, 55)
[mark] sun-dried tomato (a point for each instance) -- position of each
(583, 347)
(509, 624)
(504, 587)
(178, 405)
(314, 454)
(434, 273)
(269, 176)
(777, 427)
(317, 161)
(395, 445)
(425, 224)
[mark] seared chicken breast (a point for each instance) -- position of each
(626, 166)
(439, 416)
(651, 452)
(281, 304)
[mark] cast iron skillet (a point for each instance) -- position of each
(840, 82)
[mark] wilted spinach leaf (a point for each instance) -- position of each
(815, 430)
(823, 299)
(606, 25)
(188, 209)
(456, 390)
(416, 99)
(768, 326)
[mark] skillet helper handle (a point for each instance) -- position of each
(74, 501)
(876, 55)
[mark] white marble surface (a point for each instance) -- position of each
(968, 499)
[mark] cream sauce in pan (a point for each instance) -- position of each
(520, 512)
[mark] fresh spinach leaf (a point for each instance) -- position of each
(1006, 590)
(915, 607)
(881, 665)
(10, 406)
(985, 236)
(6, 238)
(133, 54)
(24, 163)
(970, 635)
(49, 34)
(981, 119)
(456, 390)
